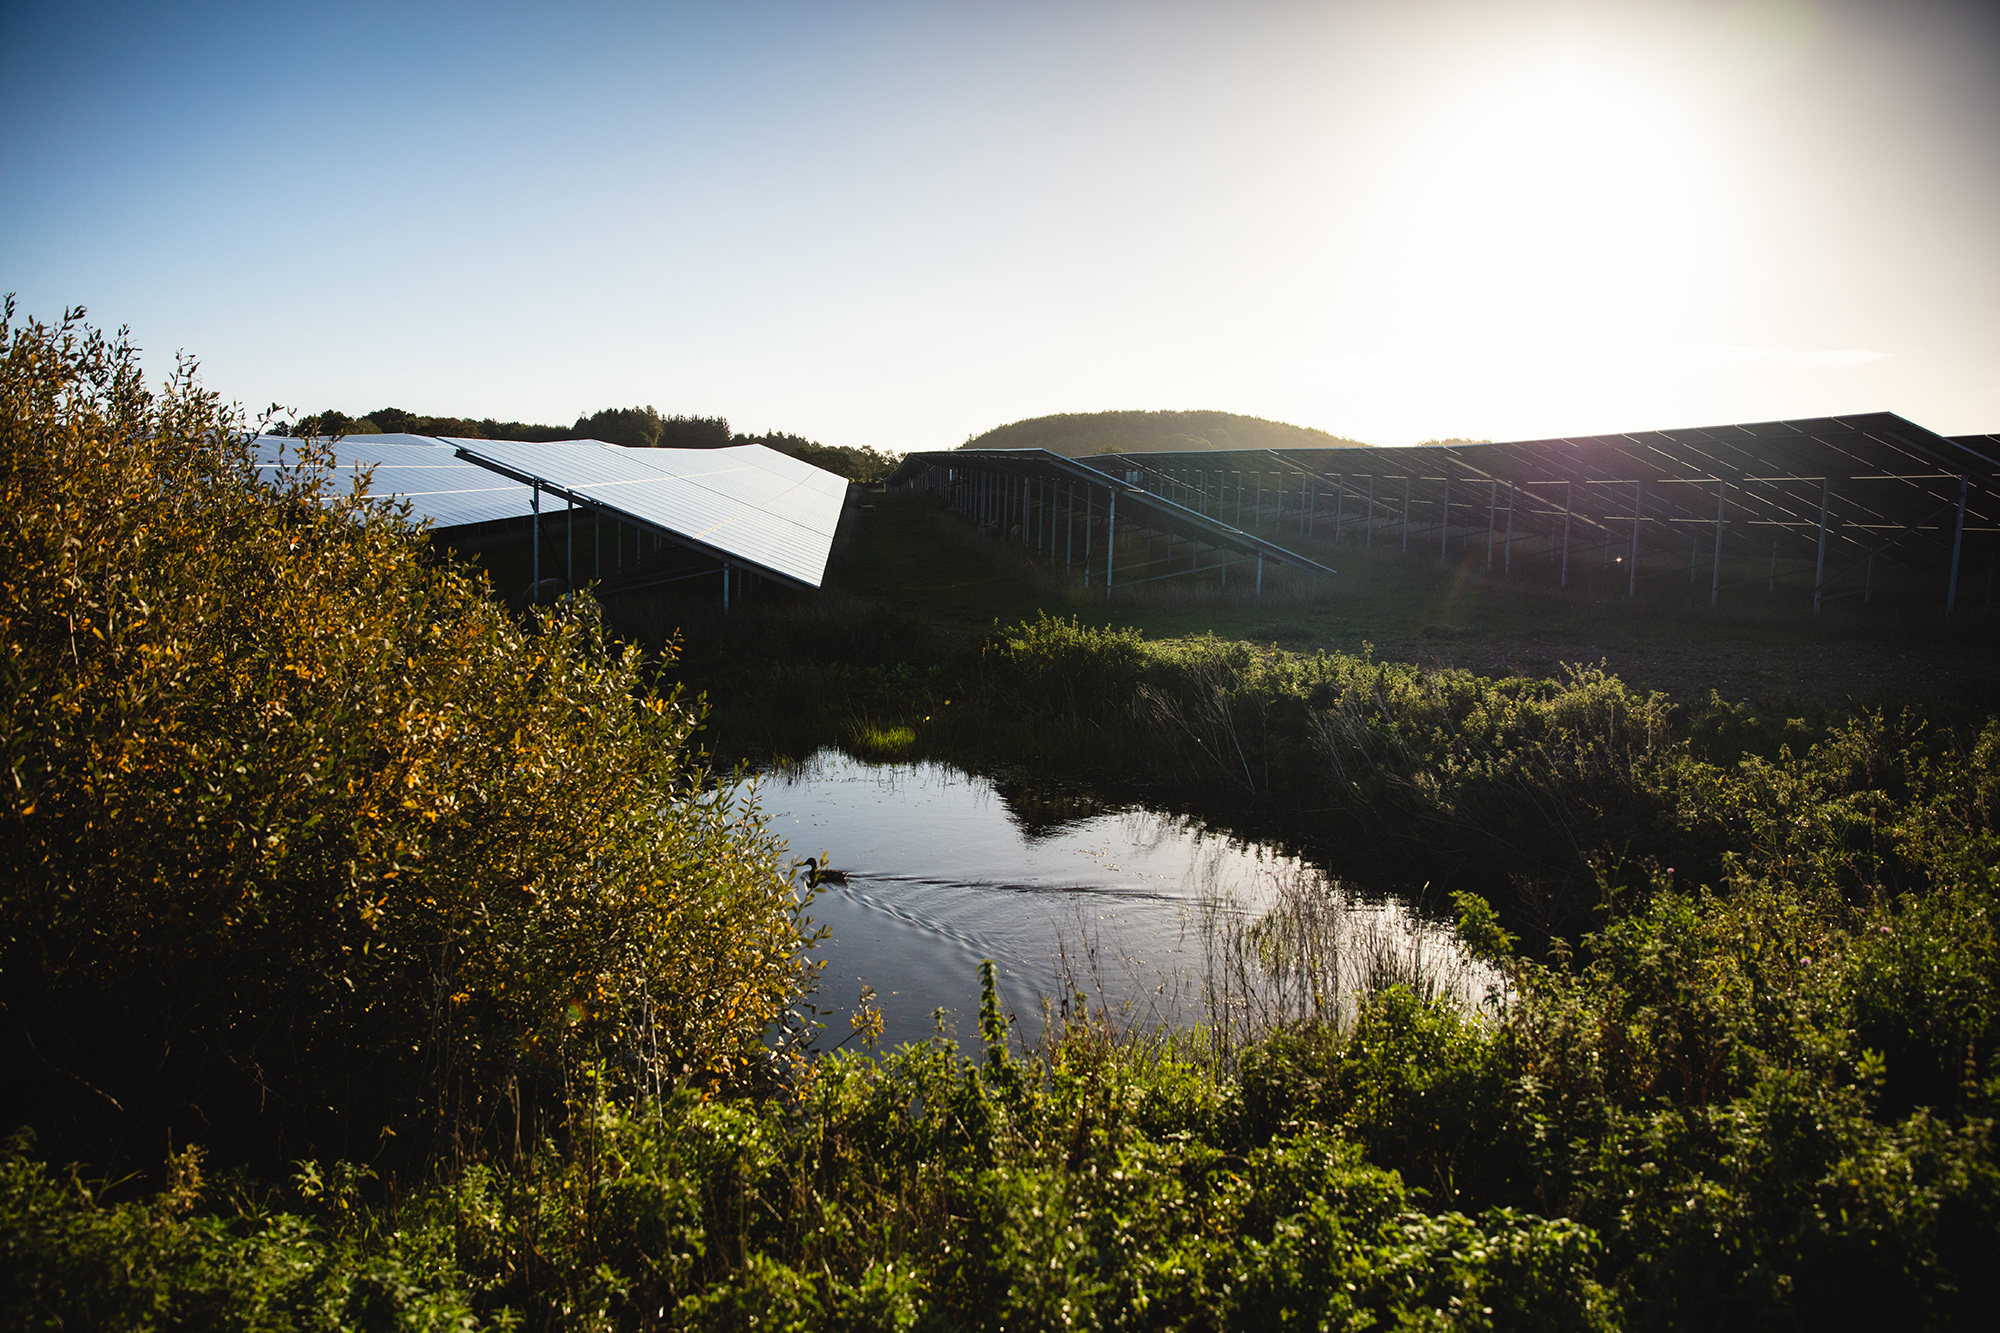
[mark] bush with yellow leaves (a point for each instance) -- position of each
(309, 847)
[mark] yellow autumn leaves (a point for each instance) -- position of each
(286, 795)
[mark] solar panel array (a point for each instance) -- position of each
(1879, 482)
(1041, 488)
(1818, 500)
(746, 503)
(442, 488)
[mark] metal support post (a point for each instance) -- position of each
(1957, 544)
(1715, 566)
(1069, 524)
(725, 587)
(596, 543)
(1492, 519)
(1819, 569)
(1088, 515)
(1507, 567)
(1564, 581)
(1110, 542)
(569, 542)
(1339, 505)
(1638, 507)
(535, 560)
(1444, 520)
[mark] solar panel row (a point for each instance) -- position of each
(746, 504)
(442, 488)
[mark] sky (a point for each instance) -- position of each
(898, 225)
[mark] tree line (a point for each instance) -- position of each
(634, 427)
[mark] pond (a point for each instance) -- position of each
(1156, 917)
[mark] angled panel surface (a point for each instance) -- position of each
(747, 503)
(442, 488)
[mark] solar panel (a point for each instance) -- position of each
(1821, 499)
(747, 502)
(442, 488)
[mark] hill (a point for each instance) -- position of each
(1076, 434)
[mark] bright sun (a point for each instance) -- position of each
(1560, 203)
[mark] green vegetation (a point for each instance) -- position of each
(410, 957)
(1075, 434)
(395, 421)
(310, 848)
(854, 462)
(645, 428)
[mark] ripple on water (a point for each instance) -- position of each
(1147, 911)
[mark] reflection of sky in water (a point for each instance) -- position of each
(941, 874)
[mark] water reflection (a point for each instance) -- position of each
(1154, 914)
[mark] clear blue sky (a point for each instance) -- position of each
(897, 225)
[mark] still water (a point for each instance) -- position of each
(1134, 907)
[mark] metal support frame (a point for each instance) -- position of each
(1897, 469)
(1819, 568)
(1444, 520)
(1715, 574)
(1564, 581)
(1069, 524)
(1638, 511)
(535, 562)
(1957, 545)
(1089, 516)
(1110, 542)
(1492, 521)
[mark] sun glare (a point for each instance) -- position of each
(1562, 202)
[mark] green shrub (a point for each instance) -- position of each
(305, 841)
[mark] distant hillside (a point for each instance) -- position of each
(1076, 434)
